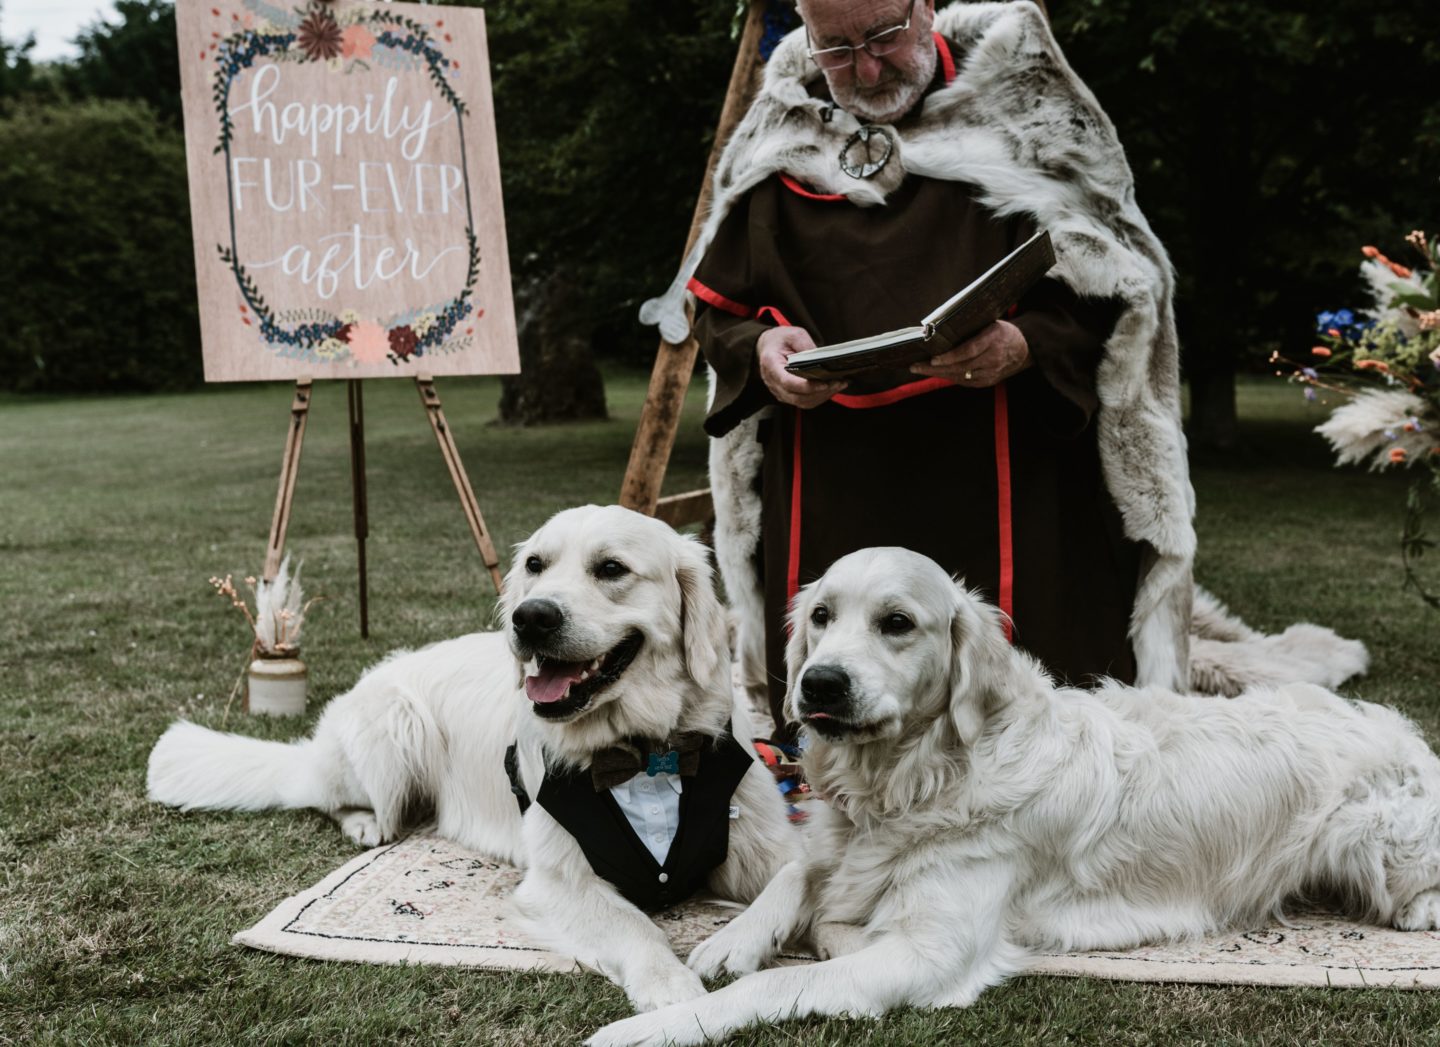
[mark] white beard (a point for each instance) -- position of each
(887, 104)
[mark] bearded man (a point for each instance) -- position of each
(892, 155)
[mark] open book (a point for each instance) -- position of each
(963, 315)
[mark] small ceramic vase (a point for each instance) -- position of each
(277, 686)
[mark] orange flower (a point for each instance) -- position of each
(357, 42)
(1372, 365)
(1399, 270)
(1370, 252)
(1397, 454)
(1320, 351)
(1334, 332)
(369, 342)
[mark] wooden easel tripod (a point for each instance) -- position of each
(290, 468)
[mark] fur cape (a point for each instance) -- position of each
(1017, 123)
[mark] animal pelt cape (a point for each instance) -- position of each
(1018, 124)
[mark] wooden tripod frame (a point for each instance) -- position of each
(290, 468)
(675, 364)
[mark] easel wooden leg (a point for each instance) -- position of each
(289, 468)
(431, 399)
(357, 489)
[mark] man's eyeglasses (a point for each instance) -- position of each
(877, 44)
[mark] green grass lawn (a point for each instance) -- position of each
(115, 915)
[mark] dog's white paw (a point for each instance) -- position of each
(1420, 913)
(648, 1030)
(660, 987)
(737, 948)
(360, 825)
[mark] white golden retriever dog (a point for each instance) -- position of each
(618, 635)
(978, 812)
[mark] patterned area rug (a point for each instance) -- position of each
(426, 900)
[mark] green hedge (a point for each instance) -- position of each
(97, 275)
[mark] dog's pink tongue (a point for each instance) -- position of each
(552, 681)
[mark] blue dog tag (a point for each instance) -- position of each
(667, 764)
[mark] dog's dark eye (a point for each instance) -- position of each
(896, 623)
(611, 569)
(820, 615)
(534, 565)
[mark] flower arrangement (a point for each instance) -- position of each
(279, 614)
(1385, 365)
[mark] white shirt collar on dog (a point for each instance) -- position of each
(652, 807)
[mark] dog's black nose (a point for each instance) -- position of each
(824, 687)
(537, 620)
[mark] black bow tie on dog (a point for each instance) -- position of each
(678, 754)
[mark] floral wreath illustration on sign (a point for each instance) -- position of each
(342, 42)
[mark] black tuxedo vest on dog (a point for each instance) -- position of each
(600, 827)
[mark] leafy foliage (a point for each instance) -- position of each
(97, 265)
(605, 113)
(134, 58)
(1267, 139)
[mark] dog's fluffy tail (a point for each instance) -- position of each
(193, 767)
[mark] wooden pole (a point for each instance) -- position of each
(359, 501)
(675, 364)
(431, 399)
(289, 469)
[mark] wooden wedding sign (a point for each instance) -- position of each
(345, 197)
(345, 189)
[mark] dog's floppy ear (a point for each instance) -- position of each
(797, 647)
(705, 633)
(978, 661)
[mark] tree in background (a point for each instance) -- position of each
(17, 72)
(97, 267)
(605, 113)
(135, 58)
(1269, 140)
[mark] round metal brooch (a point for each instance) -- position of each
(866, 152)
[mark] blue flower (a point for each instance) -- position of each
(1324, 320)
(1344, 318)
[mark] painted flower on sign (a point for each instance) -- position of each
(402, 341)
(357, 42)
(369, 342)
(319, 36)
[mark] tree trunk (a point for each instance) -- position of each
(558, 379)
(1220, 200)
(1214, 425)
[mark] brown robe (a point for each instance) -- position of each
(1002, 486)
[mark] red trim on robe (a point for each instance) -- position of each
(891, 396)
(1002, 478)
(712, 297)
(809, 194)
(947, 60)
(769, 312)
(792, 567)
